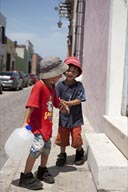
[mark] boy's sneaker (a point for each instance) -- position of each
(79, 158)
(44, 175)
(61, 160)
(30, 182)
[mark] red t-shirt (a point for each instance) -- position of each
(42, 98)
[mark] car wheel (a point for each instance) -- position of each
(22, 86)
(17, 88)
(1, 90)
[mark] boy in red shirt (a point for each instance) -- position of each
(39, 111)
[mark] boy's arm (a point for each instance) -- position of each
(72, 102)
(58, 103)
(63, 107)
(27, 115)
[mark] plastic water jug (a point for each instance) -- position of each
(19, 142)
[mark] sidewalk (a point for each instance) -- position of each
(69, 178)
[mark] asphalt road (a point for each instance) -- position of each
(12, 108)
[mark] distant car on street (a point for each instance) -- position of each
(11, 80)
(29, 80)
(25, 78)
(1, 88)
(34, 78)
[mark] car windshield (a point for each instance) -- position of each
(6, 73)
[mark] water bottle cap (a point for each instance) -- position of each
(28, 127)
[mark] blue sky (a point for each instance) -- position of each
(36, 20)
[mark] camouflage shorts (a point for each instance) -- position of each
(40, 146)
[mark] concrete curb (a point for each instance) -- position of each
(7, 173)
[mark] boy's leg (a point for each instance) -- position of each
(62, 149)
(62, 140)
(79, 158)
(62, 157)
(77, 143)
(29, 164)
(43, 173)
(27, 180)
(44, 160)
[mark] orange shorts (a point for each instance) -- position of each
(63, 137)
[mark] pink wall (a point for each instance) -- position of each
(95, 60)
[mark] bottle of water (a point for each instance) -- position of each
(19, 142)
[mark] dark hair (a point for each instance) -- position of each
(79, 70)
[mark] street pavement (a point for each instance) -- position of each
(69, 178)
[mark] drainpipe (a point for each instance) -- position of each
(79, 29)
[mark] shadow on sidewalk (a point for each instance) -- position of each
(54, 170)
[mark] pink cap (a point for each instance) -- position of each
(74, 61)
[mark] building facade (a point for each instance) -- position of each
(36, 63)
(99, 38)
(14, 56)
(24, 57)
(98, 35)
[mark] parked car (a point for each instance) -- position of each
(25, 78)
(1, 88)
(29, 80)
(11, 80)
(33, 77)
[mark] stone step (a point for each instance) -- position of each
(108, 165)
(116, 128)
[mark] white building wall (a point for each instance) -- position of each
(20, 52)
(104, 58)
(116, 56)
(96, 31)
